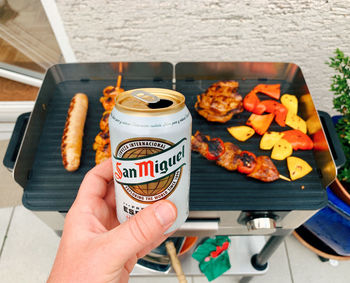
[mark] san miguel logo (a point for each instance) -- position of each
(149, 169)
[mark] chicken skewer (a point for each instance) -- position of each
(102, 140)
(110, 93)
(232, 158)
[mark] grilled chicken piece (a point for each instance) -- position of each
(102, 147)
(220, 102)
(199, 143)
(214, 117)
(104, 121)
(230, 159)
(103, 153)
(112, 91)
(264, 170)
(108, 98)
(101, 139)
(223, 88)
(108, 102)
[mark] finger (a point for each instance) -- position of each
(136, 234)
(110, 196)
(96, 180)
(130, 264)
(124, 276)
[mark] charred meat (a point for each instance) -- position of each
(232, 158)
(220, 102)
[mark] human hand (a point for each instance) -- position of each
(94, 246)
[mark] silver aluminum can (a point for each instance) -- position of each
(151, 151)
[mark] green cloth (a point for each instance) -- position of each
(213, 267)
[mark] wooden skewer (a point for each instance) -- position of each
(175, 261)
(119, 81)
(284, 178)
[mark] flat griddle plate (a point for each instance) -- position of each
(51, 188)
(214, 188)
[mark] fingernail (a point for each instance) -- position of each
(165, 212)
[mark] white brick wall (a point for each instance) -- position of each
(305, 32)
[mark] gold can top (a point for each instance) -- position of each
(150, 101)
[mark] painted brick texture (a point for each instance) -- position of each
(305, 32)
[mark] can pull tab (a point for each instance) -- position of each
(145, 96)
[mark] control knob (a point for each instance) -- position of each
(262, 224)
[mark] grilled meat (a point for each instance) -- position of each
(109, 95)
(72, 138)
(234, 159)
(214, 117)
(104, 121)
(112, 91)
(212, 149)
(264, 170)
(224, 88)
(102, 140)
(108, 102)
(102, 153)
(199, 143)
(220, 102)
(230, 159)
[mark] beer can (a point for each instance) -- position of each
(150, 131)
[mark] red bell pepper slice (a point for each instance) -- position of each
(276, 108)
(298, 139)
(216, 148)
(259, 109)
(250, 101)
(281, 115)
(260, 123)
(270, 105)
(246, 162)
(273, 91)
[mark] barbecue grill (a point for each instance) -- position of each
(221, 202)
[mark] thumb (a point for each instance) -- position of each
(143, 229)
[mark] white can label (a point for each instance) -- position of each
(149, 169)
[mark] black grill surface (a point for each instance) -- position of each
(51, 187)
(215, 188)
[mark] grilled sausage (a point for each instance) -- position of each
(72, 138)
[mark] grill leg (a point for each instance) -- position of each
(259, 261)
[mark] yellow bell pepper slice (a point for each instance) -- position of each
(290, 102)
(281, 150)
(296, 122)
(269, 139)
(297, 167)
(241, 133)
